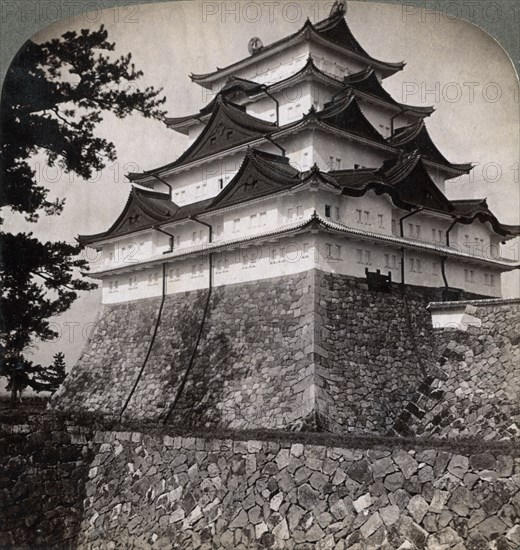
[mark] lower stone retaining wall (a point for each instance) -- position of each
(147, 491)
(43, 465)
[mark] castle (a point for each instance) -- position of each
(267, 371)
(277, 273)
(302, 160)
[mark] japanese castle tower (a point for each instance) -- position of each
(302, 160)
(277, 273)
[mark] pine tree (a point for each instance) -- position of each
(51, 378)
(53, 97)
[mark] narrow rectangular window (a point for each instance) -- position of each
(337, 213)
(394, 226)
(236, 225)
(359, 255)
(263, 218)
(417, 231)
(367, 217)
(299, 211)
(327, 210)
(220, 184)
(380, 220)
(290, 213)
(368, 257)
(387, 260)
(359, 214)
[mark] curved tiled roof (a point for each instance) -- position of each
(143, 209)
(333, 30)
(416, 138)
(226, 117)
(366, 82)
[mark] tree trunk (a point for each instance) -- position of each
(14, 401)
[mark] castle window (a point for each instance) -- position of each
(363, 257)
(469, 276)
(219, 230)
(290, 213)
(390, 261)
(253, 221)
(380, 220)
(299, 211)
(336, 211)
(436, 235)
(132, 282)
(263, 219)
(229, 134)
(327, 210)
(113, 287)
(359, 214)
(173, 274)
(305, 250)
(220, 184)
(333, 251)
(367, 217)
(435, 269)
(414, 231)
(334, 163)
(152, 279)
(276, 255)
(489, 280)
(415, 265)
(222, 264)
(394, 227)
(236, 225)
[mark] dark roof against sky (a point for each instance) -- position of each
(366, 82)
(416, 138)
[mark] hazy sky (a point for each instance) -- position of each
(452, 65)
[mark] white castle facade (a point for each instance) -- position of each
(302, 160)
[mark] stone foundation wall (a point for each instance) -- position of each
(251, 367)
(43, 466)
(109, 366)
(474, 389)
(149, 491)
(312, 351)
(372, 349)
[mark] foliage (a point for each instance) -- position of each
(53, 97)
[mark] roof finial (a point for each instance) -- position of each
(338, 8)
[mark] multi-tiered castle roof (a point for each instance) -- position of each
(303, 146)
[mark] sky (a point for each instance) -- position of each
(450, 64)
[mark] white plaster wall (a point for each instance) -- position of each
(474, 239)
(350, 152)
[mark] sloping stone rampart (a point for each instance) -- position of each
(474, 387)
(312, 351)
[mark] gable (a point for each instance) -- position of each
(257, 177)
(228, 127)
